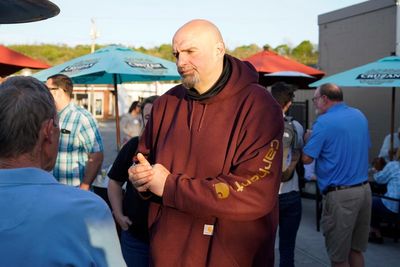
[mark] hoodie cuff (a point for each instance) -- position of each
(170, 191)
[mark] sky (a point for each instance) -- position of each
(150, 23)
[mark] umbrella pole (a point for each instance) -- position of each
(392, 123)
(116, 112)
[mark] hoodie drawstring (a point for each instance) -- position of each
(191, 110)
(192, 107)
(203, 114)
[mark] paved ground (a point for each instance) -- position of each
(107, 129)
(310, 248)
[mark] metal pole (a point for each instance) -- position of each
(397, 27)
(391, 151)
(94, 34)
(394, 89)
(116, 111)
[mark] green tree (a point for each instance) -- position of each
(305, 53)
(52, 54)
(283, 50)
(267, 47)
(245, 51)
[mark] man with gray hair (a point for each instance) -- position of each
(339, 143)
(33, 204)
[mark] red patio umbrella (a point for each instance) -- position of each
(267, 62)
(12, 61)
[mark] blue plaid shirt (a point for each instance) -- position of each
(390, 175)
(79, 136)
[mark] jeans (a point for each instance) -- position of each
(289, 221)
(135, 251)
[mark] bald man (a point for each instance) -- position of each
(339, 144)
(212, 159)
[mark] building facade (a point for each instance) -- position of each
(100, 100)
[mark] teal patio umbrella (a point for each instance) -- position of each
(114, 65)
(384, 72)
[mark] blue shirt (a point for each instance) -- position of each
(339, 143)
(79, 137)
(390, 175)
(45, 223)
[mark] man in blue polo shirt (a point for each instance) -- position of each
(339, 143)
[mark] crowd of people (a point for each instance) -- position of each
(208, 172)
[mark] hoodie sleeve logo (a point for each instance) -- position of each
(262, 172)
(222, 190)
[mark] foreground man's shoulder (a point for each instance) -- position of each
(260, 94)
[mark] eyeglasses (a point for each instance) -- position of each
(315, 98)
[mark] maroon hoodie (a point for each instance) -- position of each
(219, 206)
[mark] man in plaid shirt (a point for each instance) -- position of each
(80, 151)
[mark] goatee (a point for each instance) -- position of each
(189, 81)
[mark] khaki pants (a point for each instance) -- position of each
(345, 221)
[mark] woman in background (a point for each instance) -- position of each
(132, 122)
